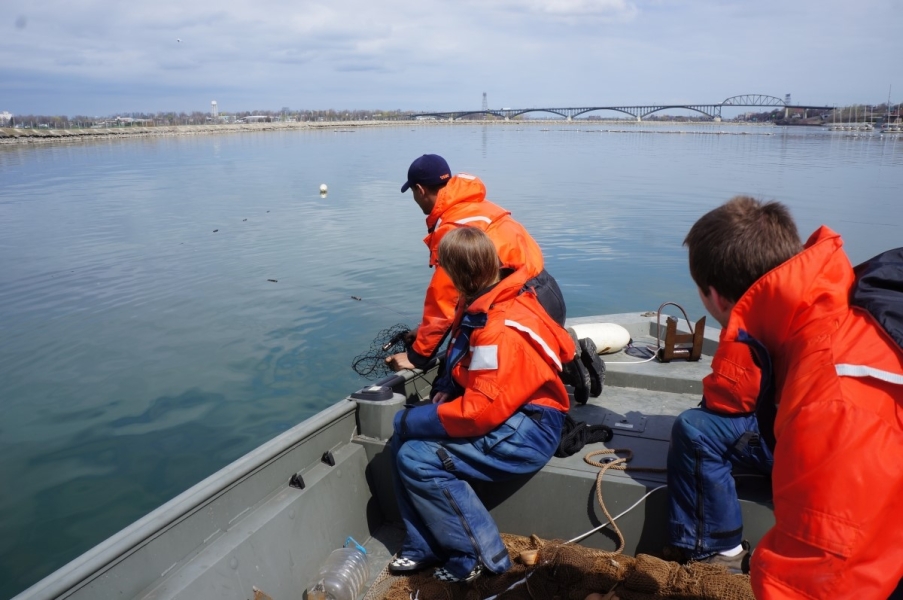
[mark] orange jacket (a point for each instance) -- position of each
(514, 359)
(462, 202)
(838, 455)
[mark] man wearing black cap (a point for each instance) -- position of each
(454, 201)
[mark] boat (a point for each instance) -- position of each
(260, 527)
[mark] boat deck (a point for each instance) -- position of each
(267, 521)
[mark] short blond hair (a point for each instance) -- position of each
(470, 259)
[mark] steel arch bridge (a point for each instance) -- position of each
(713, 111)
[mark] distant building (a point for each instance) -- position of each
(130, 121)
(5, 117)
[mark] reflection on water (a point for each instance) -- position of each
(143, 345)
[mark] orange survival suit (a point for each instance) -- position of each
(509, 354)
(513, 360)
(837, 433)
(462, 202)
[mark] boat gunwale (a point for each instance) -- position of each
(79, 572)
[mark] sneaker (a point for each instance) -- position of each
(737, 565)
(590, 358)
(444, 575)
(576, 374)
(401, 564)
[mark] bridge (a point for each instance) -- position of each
(713, 111)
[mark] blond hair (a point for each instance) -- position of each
(470, 259)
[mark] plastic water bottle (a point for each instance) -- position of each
(342, 575)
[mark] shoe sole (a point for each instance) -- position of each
(443, 575)
(416, 566)
(583, 382)
(589, 356)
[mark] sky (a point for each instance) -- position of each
(107, 57)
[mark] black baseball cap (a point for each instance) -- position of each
(429, 169)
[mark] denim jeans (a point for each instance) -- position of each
(444, 519)
(704, 512)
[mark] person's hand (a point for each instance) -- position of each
(410, 336)
(441, 397)
(398, 362)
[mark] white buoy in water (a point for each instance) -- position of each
(608, 337)
(323, 188)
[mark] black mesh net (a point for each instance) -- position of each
(372, 363)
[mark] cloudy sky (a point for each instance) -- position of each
(102, 57)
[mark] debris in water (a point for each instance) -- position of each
(356, 298)
(273, 280)
(244, 220)
(215, 230)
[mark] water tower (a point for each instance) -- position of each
(214, 110)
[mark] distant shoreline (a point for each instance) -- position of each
(11, 136)
(40, 136)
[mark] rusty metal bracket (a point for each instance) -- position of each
(680, 346)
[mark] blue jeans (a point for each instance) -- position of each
(444, 519)
(704, 512)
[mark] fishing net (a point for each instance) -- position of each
(372, 363)
(572, 572)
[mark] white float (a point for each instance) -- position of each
(323, 188)
(608, 337)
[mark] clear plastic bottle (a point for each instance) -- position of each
(342, 575)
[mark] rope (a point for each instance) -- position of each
(619, 464)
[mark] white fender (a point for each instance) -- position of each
(608, 337)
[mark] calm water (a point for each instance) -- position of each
(141, 350)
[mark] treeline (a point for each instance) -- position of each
(852, 113)
(198, 118)
(846, 114)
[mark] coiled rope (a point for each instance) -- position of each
(620, 464)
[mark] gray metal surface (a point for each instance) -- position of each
(375, 417)
(278, 546)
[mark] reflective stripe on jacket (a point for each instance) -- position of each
(513, 360)
(462, 202)
(838, 454)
